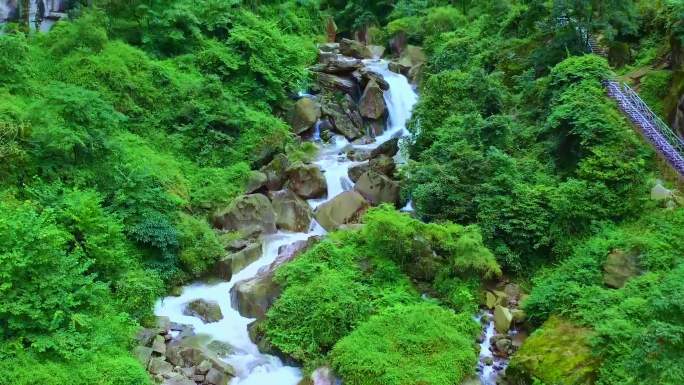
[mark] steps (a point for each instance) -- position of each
(664, 140)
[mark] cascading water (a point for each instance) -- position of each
(251, 366)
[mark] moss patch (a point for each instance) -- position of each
(558, 353)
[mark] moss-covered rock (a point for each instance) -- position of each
(557, 354)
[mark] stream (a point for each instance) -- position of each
(251, 366)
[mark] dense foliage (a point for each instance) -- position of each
(349, 287)
(120, 131)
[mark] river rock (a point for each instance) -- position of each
(329, 47)
(345, 208)
(253, 297)
(179, 380)
(389, 148)
(366, 75)
(518, 316)
(344, 116)
(376, 51)
(490, 300)
(159, 366)
(216, 377)
(358, 154)
(619, 267)
(143, 354)
(414, 58)
(372, 103)
(355, 172)
(307, 181)
(255, 181)
(503, 345)
(248, 214)
(355, 49)
(292, 212)
(159, 345)
(375, 127)
(502, 319)
(305, 114)
(233, 263)
(334, 83)
(378, 188)
(337, 64)
(207, 311)
(275, 172)
(383, 164)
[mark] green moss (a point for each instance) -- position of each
(558, 353)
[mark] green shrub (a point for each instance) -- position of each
(408, 344)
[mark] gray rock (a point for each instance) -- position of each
(377, 188)
(159, 366)
(248, 214)
(276, 172)
(307, 181)
(256, 181)
(207, 311)
(233, 263)
(345, 208)
(215, 377)
(338, 83)
(344, 116)
(159, 345)
(389, 148)
(372, 103)
(143, 354)
(355, 49)
(292, 212)
(619, 267)
(304, 115)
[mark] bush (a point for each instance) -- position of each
(408, 344)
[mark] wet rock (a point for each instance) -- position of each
(366, 76)
(372, 103)
(344, 116)
(253, 297)
(304, 115)
(255, 181)
(399, 68)
(249, 214)
(376, 51)
(204, 367)
(414, 58)
(389, 148)
(355, 172)
(233, 263)
(159, 366)
(384, 165)
(490, 300)
(337, 64)
(358, 154)
(375, 127)
(363, 141)
(292, 212)
(207, 311)
(378, 188)
(329, 47)
(355, 49)
(338, 83)
(518, 316)
(489, 361)
(512, 291)
(619, 267)
(503, 345)
(307, 181)
(143, 354)
(159, 345)
(275, 172)
(220, 348)
(179, 380)
(216, 377)
(502, 319)
(145, 336)
(345, 208)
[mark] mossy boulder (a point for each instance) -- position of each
(275, 172)
(619, 267)
(292, 212)
(378, 188)
(304, 115)
(355, 49)
(502, 319)
(207, 311)
(557, 353)
(234, 262)
(248, 214)
(306, 180)
(372, 103)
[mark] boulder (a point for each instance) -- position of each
(329, 47)
(307, 181)
(399, 68)
(358, 154)
(248, 214)
(414, 58)
(372, 103)
(216, 377)
(389, 148)
(292, 212)
(207, 311)
(233, 263)
(220, 348)
(355, 172)
(504, 345)
(336, 64)
(377, 188)
(159, 366)
(619, 267)
(255, 181)
(355, 49)
(178, 380)
(253, 297)
(383, 164)
(323, 376)
(344, 116)
(366, 75)
(345, 208)
(375, 127)
(518, 316)
(159, 345)
(490, 300)
(334, 83)
(502, 319)
(660, 193)
(558, 352)
(275, 172)
(304, 115)
(143, 354)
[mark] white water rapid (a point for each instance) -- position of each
(251, 366)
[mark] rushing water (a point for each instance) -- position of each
(253, 367)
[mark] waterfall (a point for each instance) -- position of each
(251, 366)
(4, 10)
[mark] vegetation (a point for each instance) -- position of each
(124, 128)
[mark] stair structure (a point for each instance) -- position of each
(668, 144)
